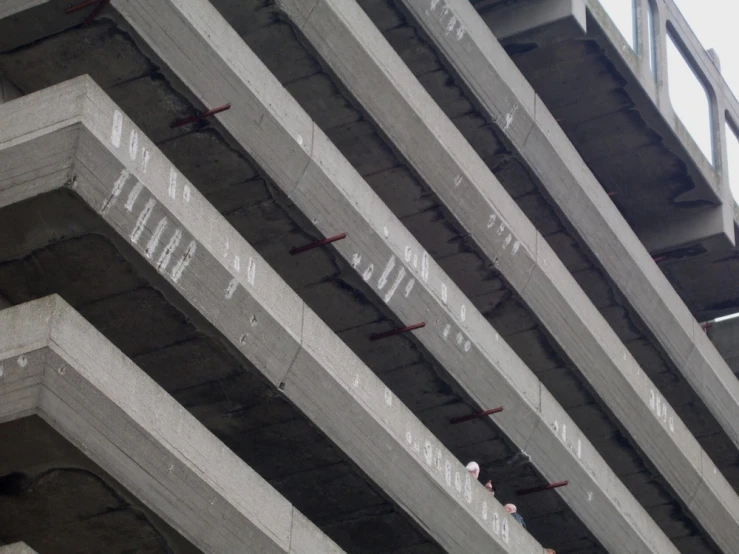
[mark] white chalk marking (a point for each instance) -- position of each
(117, 131)
(428, 453)
(367, 275)
(463, 312)
(415, 261)
(443, 293)
(133, 144)
(468, 488)
(398, 279)
(433, 5)
(460, 339)
(356, 260)
(496, 523)
(564, 432)
(485, 511)
(146, 156)
(382, 281)
(467, 346)
(388, 397)
(449, 29)
(237, 264)
(651, 399)
(251, 271)
(141, 221)
(664, 411)
(509, 118)
(504, 531)
(579, 449)
(447, 328)
(186, 193)
(437, 462)
(226, 248)
(491, 222)
(166, 254)
(501, 228)
(416, 447)
(460, 32)
(408, 437)
(355, 383)
(172, 189)
(590, 496)
(448, 473)
(507, 241)
(231, 288)
(116, 191)
(555, 425)
(659, 406)
(408, 253)
(516, 246)
(386, 232)
(22, 361)
(457, 181)
(409, 287)
(133, 195)
(300, 140)
(425, 267)
(672, 424)
(156, 236)
(457, 481)
(184, 261)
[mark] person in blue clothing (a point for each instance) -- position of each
(511, 509)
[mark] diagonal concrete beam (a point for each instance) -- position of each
(116, 171)
(332, 194)
(58, 366)
(501, 90)
(367, 65)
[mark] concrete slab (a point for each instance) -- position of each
(125, 423)
(376, 76)
(213, 274)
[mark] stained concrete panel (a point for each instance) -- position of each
(376, 76)
(128, 425)
(150, 206)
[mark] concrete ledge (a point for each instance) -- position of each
(123, 421)
(17, 548)
(492, 78)
(215, 274)
(540, 21)
(376, 76)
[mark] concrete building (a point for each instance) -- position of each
(273, 272)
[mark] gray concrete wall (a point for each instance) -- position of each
(124, 422)
(121, 175)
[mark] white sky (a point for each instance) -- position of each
(714, 22)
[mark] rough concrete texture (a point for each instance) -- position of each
(218, 280)
(17, 548)
(391, 107)
(58, 366)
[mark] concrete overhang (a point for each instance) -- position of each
(371, 219)
(409, 126)
(79, 166)
(606, 100)
(58, 367)
(512, 107)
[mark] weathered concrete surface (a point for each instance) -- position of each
(17, 548)
(58, 366)
(214, 275)
(455, 173)
(493, 80)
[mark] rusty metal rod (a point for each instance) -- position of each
(398, 331)
(475, 416)
(198, 117)
(80, 6)
(543, 488)
(312, 245)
